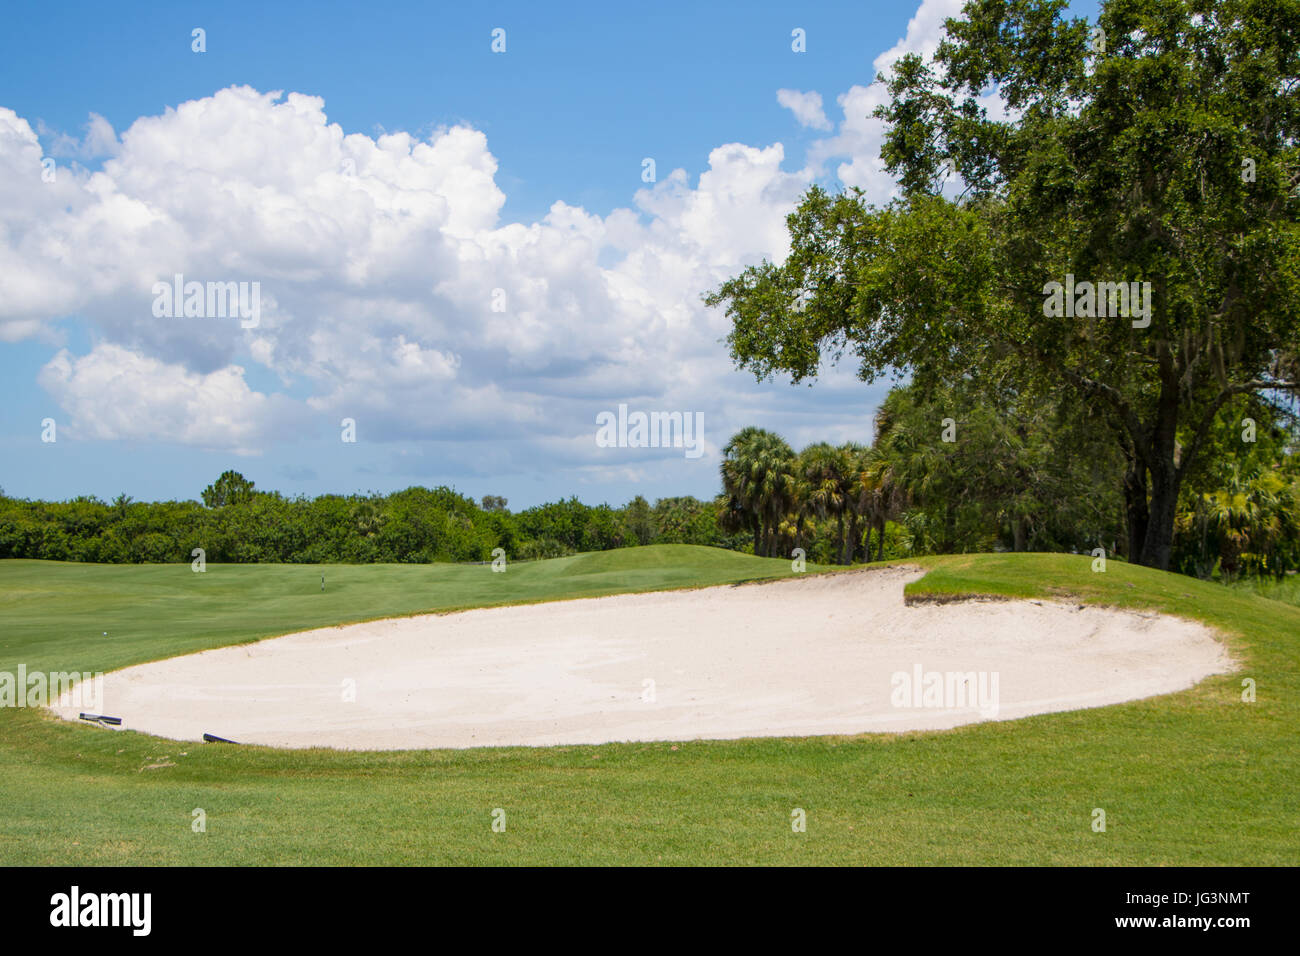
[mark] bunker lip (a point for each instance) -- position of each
(836, 654)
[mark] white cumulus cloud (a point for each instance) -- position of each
(391, 290)
(806, 107)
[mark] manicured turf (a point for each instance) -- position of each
(1287, 590)
(1197, 777)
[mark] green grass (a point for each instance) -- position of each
(1197, 777)
(1287, 590)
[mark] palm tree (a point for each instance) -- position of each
(367, 517)
(861, 499)
(824, 470)
(757, 468)
(793, 525)
(1246, 519)
(881, 474)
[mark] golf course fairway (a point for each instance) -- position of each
(1200, 776)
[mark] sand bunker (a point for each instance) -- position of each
(828, 654)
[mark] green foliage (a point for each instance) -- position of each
(231, 488)
(638, 523)
(967, 468)
(1017, 474)
(759, 482)
(826, 500)
(239, 524)
(1249, 526)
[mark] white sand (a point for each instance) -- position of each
(796, 657)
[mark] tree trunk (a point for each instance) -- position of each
(1135, 508)
(1158, 542)
(1164, 471)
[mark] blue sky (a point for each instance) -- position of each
(570, 111)
(416, 173)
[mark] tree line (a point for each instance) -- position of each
(952, 471)
(237, 522)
